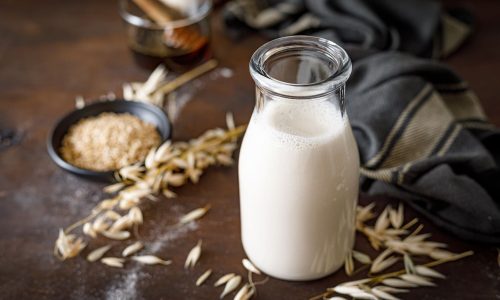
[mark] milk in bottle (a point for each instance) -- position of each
(299, 165)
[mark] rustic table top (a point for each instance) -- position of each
(51, 51)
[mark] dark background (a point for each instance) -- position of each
(51, 51)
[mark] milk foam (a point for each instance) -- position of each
(301, 125)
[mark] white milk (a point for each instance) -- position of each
(298, 174)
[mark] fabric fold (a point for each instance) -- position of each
(417, 27)
(420, 131)
(423, 136)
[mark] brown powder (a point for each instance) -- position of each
(108, 141)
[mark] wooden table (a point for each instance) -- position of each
(51, 51)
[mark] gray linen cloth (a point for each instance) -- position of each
(422, 134)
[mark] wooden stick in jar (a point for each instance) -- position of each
(185, 38)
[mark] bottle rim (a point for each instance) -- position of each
(330, 50)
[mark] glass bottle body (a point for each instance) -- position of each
(299, 165)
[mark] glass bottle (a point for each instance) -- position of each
(299, 163)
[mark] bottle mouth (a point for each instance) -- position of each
(300, 67)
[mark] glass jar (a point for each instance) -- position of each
(179, 43)
(299, 163)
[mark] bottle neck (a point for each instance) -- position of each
(301, 68)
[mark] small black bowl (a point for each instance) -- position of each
(144, 111)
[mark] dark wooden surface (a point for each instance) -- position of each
(51, 51)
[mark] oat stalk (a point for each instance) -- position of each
(367, 285)
(390, 234)
(169, 165)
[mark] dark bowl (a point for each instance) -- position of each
(144, 111)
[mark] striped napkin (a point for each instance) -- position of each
(422, 134)
(423, 137)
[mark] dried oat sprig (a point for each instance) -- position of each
(245, 293)
(151, 260)
(383, 261)
(68, 245)
(194, 214)
(409, 265)
(361, 257)
(203, 277)
(389, 232)
(116, 235)
(157, 87)
(145, 92)
(113, 188)
(250, 266)
(98, 253)
(386, 285)
(193, 256)
(115, 262)
(397, 216)
(79, 102)
(131, 249)
(397, 241)
(349, 264)
(250, 288)
(224, 279)
(231, 285)
(171, 165)
(428, 272)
